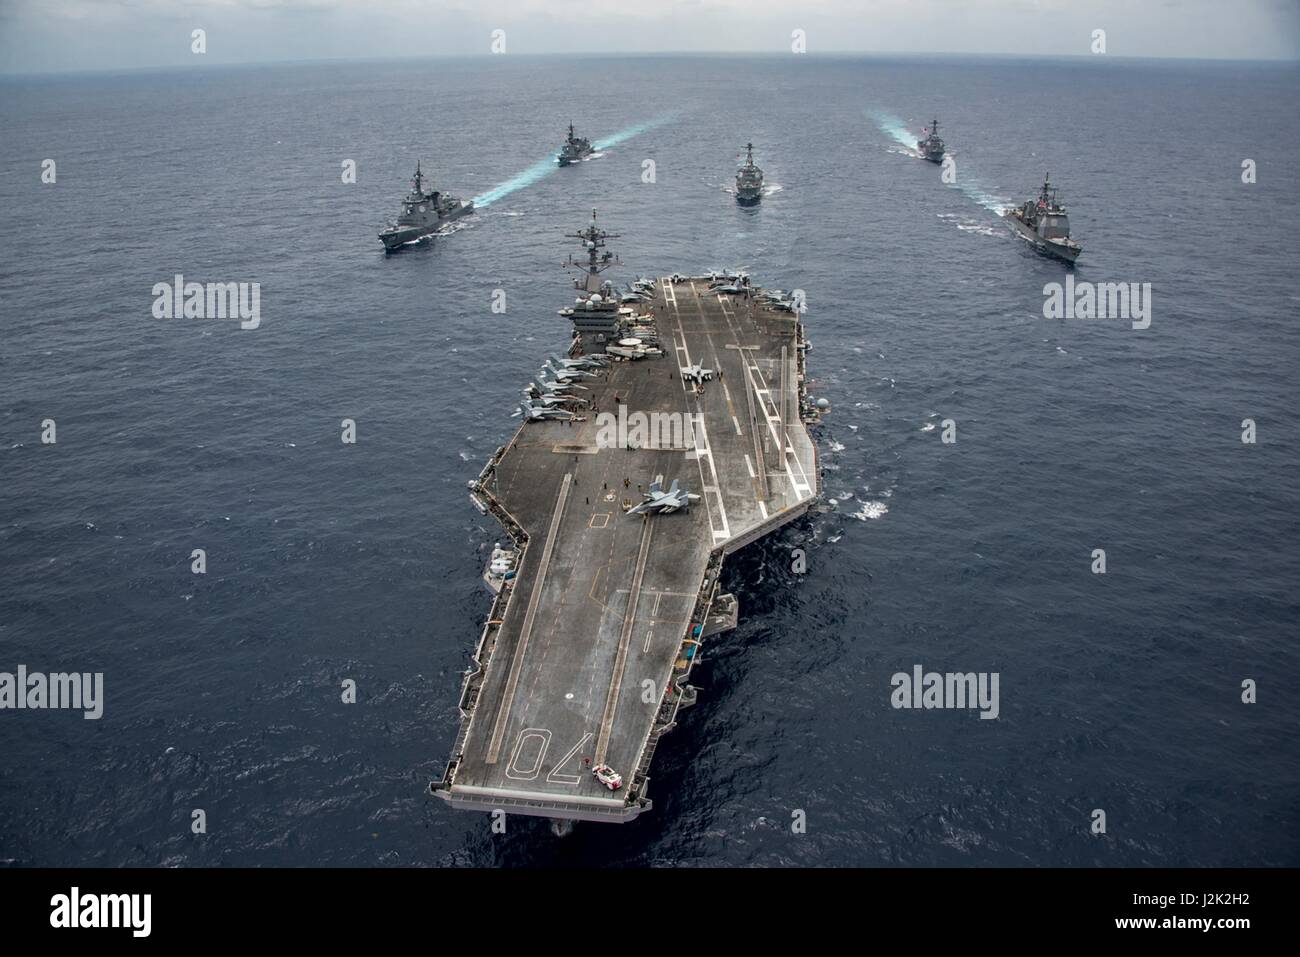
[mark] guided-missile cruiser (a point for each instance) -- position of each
(585, 659)
(749, 180)
(422, 214)
(1043, 223)
(575, 148)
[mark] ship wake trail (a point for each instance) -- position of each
(977, 193)
(527, 178)
(631, 131)
(544, 167)
(967, 185)
(896, 129)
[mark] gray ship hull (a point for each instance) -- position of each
(397, 237)
(749, 195)
(1056, 250)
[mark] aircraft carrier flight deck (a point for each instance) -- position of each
(585, 657)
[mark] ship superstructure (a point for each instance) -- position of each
(1044, 223)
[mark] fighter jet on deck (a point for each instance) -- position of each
(581, 362)
(535, 412)
(551, 399)
(562, 374)
(697, 374)
(780, 301)
(557, 387)
(738, 288)
(657, 500)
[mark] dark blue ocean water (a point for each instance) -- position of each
(328, 562)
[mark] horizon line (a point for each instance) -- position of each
(644, 54)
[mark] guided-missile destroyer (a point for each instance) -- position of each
(749, 180)
(575, 148)
(689, 441)
(932, 147)
(422, 214)
(1044, 224)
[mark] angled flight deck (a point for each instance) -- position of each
(584, 659)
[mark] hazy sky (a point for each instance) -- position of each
(59, 35)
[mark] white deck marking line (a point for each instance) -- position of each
(736, 422)
(749, 464)
(758, 386)
(519, 774)
(702, 449)
(798, 487)
(764, 491)
(620, 658)
(516, 663)
(697, 433)
(682, 346)
(654, 616)
(707, 454)
(711, 346)
(555, 777)
(763, 508)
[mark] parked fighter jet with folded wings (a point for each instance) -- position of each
(552, 399)
(780, 301)
(556, 386)
(594, 361)
(536, 411)
(562, 374)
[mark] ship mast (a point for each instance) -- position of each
(593, 237)
(1048, 196)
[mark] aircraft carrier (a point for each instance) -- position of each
(585, 658)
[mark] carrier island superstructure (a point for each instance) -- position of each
(605, 601)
